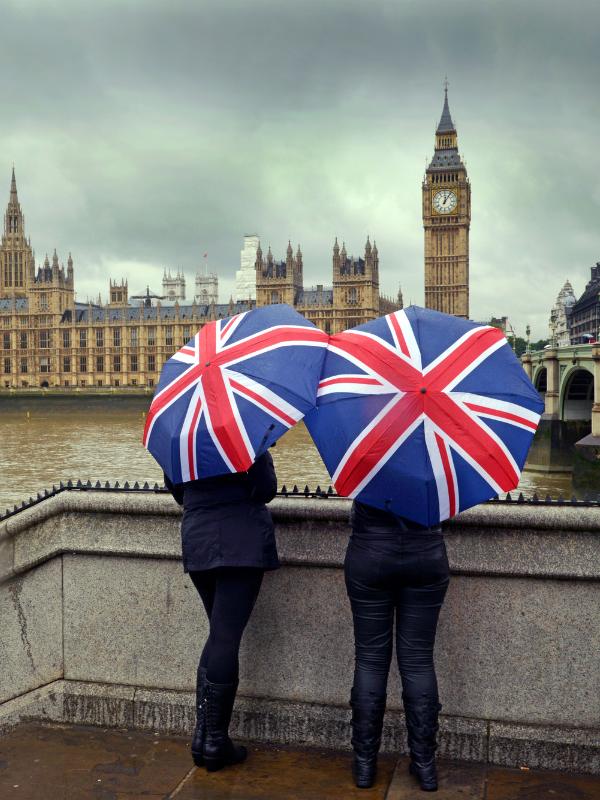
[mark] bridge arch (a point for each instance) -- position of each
(577, 394)
(540, 380)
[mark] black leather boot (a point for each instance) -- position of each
(199, 730)
(368, 710)
(218, 750)
(422, 727)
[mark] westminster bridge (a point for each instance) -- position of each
(568, 379)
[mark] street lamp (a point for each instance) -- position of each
(528, 334)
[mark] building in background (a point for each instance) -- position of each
(352, 299)
(49, 339)
(173, 287)
(245, 277)
(446, 219)
(560, 316)
(207, 286)
(585, 312)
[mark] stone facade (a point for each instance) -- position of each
(585, 313)
(560, 316)
(446, 219)
(207, 286)
(173, 286)
(352, 300)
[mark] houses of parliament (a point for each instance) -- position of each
(49, 339)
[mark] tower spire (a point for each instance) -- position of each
(13, 187)
(445, 125)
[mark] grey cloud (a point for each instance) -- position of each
(145, 133)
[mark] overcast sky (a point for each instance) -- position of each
(147, 132)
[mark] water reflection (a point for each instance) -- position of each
(44, 440)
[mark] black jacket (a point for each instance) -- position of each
(368, 519)
(225, 520)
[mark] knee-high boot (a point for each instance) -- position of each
(422, 727)
(368, 710)
(199, 730)
(218, 750)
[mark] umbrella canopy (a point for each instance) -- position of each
(423, 414)
(232, 391)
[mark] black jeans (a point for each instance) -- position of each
(405, 573)
(228, 595)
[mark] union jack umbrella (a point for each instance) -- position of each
(232, 391)
(423, 414)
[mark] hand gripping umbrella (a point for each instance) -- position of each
(232, 391)
(423, 414)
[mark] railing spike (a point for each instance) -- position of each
(535, 498)
(573, 499)
(520, 498)
(61, 485)
(156, 487)
(69, 484)
(306, 490)
(146, 485)
(107, 485)
(79, 484)
(126, 485)
(548, 499)
(561, 499)
(295, 490)
(116, 486)
(88, 484)
(46, 493)
(508, 498)
(284, 489)
(98, 485)
(136, 485)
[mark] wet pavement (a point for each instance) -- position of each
(56, 762)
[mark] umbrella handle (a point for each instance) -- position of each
(266, 436)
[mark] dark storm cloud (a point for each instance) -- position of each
(145, 133)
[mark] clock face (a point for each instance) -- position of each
(444, 201)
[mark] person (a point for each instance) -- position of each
(228, 542)
(394, 567)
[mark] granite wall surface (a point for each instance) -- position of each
(100, 625)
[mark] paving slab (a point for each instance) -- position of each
(457, 780)
(282, 774)
(523, 784)
(68, 763)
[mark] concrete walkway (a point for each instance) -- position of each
(73, 763)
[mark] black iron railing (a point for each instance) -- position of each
(320, 494)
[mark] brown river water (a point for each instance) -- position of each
(44, 440)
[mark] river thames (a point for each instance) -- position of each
(44, 440)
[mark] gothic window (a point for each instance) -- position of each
(44, 364)
(83, 338)
(186, 334)
(82, 363)
(23, 366)
(352, 296)
(117, 364)
(134, 363)
(151, 363)
(23, 340)
(152, 335)
(6, 365)
(66, 338)
(99, 337)
(99, 363)
(116, 337)
(133, 337)
(274, 297)
(67, 364)
(6, 341)
(169, 336)
(43, 300)
(44, 339)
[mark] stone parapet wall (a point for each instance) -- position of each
(95, 604)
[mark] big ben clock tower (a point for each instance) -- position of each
(446, 219)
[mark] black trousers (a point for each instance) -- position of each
(403, 575)
(228, 595)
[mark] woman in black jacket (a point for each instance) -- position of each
(228, 542)
(394, 567)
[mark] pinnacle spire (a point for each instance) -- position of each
(13, 187)
(445, 125)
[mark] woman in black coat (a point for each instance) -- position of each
(394, 567)
(228, 542)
